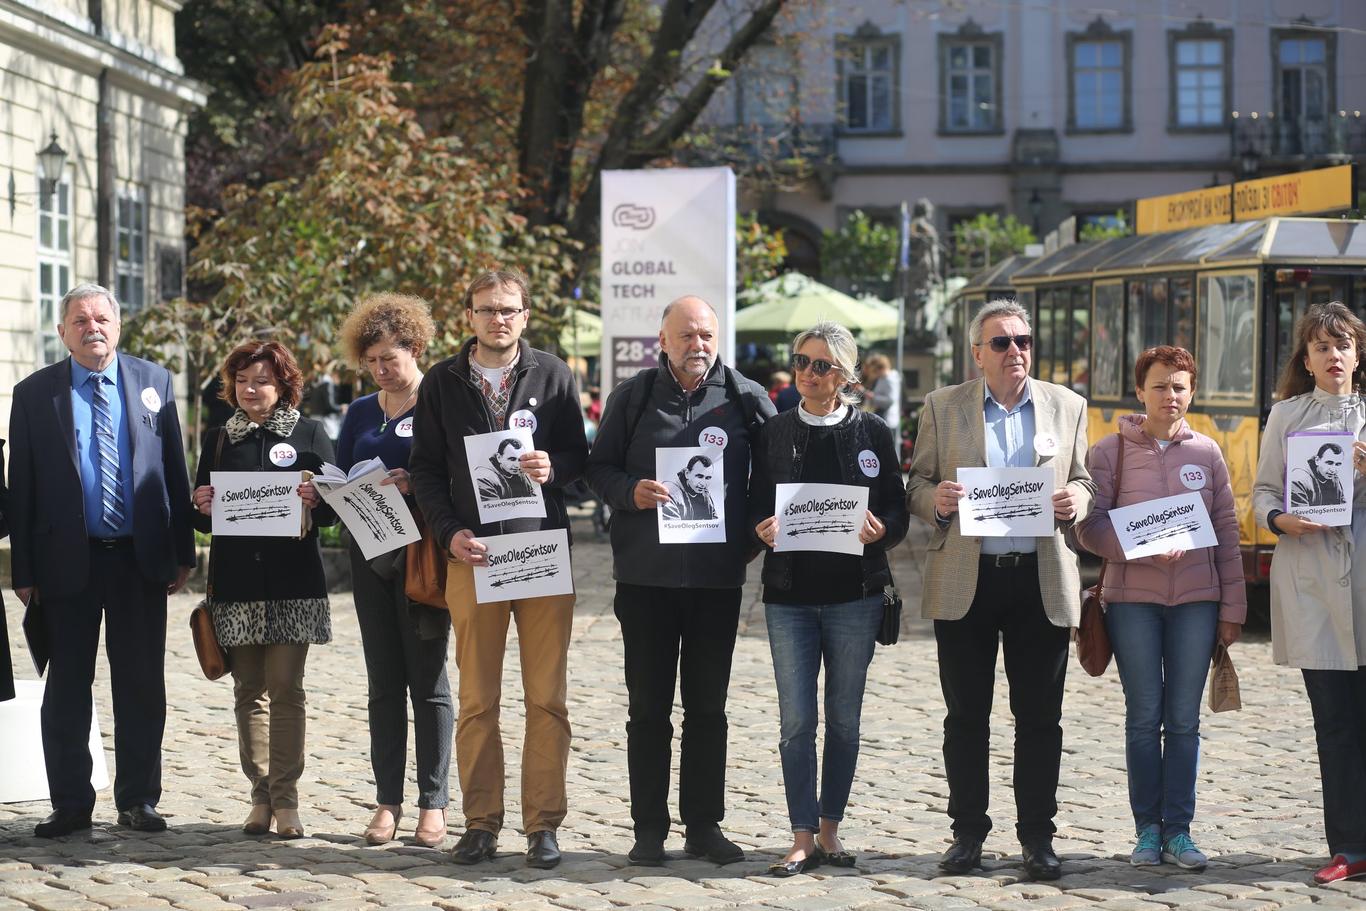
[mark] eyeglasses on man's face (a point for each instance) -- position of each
(1001, 343)
(801, 362)
(505, 314)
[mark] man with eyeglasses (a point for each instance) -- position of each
(498, 380)
(1023, 592)
(678, 605)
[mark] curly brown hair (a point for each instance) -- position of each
(1331, 320)
(404, 319)
(276, 356)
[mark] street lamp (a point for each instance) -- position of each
(1035, 208)
(51, 161)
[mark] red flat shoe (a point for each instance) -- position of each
(1339, 870)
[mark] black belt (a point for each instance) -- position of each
(1010, 560)
(111, 543)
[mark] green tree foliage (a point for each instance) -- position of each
(861, 255)
(759, 252)
(380, 205)
(1096, 231)
(987, 239)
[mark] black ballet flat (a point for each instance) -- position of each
(786, 868)
(839, 858)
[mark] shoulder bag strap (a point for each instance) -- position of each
(647, 387)
(213, 539)
(1119, 478)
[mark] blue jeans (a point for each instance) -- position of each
(1163, 654)
(800, 636)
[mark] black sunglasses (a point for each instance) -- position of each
(1002, 342)
(800, 362)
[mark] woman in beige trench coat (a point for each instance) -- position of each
(1318, 592)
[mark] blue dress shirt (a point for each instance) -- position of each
(83, 420)
(1010, 444)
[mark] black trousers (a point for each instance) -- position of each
(1007, 609)
(1338, 699)
(684, 634)
(135, 644)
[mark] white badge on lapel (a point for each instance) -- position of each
(404, 428)
(523, 419)
(151, 399)
(1045, 444)
(283, 455)
(712, 438)
(868, 463)
(1192, 477)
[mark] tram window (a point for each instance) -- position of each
(1108, 376)
(1183, 313)
(1043, 348)
(1227, 335)
(1358, 304)
(1080, 353)
(1147, 319)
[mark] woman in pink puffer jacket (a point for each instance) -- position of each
(1163, 613)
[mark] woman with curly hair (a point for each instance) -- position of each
(269, 594)
(404, 643)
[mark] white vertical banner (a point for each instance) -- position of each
(665, 233)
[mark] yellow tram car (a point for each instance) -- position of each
(1229, 292)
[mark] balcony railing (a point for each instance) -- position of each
(1267, 136)
(785, 147)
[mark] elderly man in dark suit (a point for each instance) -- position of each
(99, 526)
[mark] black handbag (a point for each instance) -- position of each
(890, 630)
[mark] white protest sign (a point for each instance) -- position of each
(696, 510)
(532, 564)
(820, 517)
(1158, 526)
(1319, 476)
(376, 514)
(265, 504)
(666, 232)
(501, 488)
(1006, 502)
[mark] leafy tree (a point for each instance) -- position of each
(759, 252)
(1098, 231)
(381, 205)
(986, 239)
(861, 255)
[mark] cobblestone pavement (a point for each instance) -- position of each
(1258, 816)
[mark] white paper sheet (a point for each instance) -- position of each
(265, 504)
(1006, 502)
(1158, 526)
(820, 517)
(531, 564)
(696, 511)
(501, 489)
(1319, 476)
(376, 515)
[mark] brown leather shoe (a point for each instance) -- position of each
(287, 824)
(258, 820)
(431, 837)
(380, 832)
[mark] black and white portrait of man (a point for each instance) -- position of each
(1320, 483)
(690, 498)
(502, 478)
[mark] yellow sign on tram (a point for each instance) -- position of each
(1210, 206)
(1323, 190)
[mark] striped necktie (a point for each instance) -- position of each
(107, 458)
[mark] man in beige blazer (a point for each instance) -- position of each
(1022, 591)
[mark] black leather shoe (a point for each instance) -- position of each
(648, 851)
(712, 845)
(142, 818)
(1040, 860)
(62, 822)
(542, 851)
(785, 868)
(474, 846)
(963, 855)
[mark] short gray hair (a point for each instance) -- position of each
(843, 352)
(81, 292)
(1003, 306)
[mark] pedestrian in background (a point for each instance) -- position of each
(1165, 613)
(883, 385)
(269, 600)
(404, 643)
(824, 609)
(1318, 591)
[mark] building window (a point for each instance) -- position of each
(1098, 72)
(131, 250)
(970, 81)
(54, 268)
(1305, 73)
(1200, 79)
(869, 64)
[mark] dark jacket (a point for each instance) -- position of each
(48, 538)
(267, 569)
(673, 417)
(6, 669)
(451, 407)
(778, 460)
